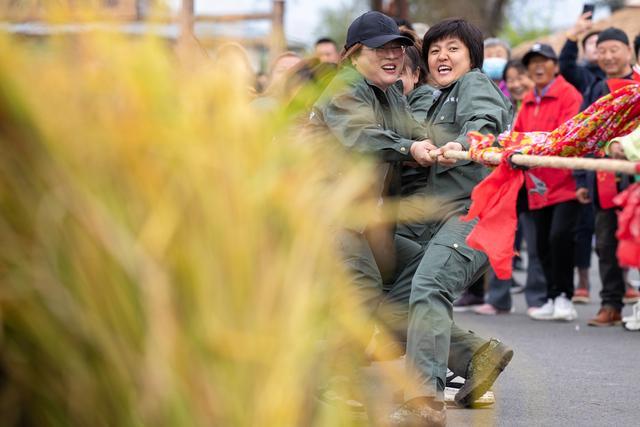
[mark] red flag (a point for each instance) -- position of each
(494, 203)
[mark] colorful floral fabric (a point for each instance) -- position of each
(613, 115)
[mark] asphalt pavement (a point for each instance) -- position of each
(562, 373)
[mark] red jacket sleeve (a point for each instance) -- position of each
(571, 105)
(517, 124)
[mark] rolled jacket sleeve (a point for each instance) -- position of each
(352, 120)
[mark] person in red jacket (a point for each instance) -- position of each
(551, 193)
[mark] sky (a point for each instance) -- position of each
(302, 16)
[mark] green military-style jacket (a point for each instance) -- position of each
(472, 103)
(414, 178)
(366, 119)
(420, 100)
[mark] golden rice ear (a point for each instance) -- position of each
(168, 253)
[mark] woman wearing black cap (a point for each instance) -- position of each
(366, 112)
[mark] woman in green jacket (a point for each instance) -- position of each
(364, 110)
(465, 100)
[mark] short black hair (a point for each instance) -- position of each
(514, 63)
(459, 28)
(636, 47)
(326, 40)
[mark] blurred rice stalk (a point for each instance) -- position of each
(167, 257)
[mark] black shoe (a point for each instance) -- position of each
(419, 412)
(485, 366)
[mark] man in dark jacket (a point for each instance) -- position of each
(614, 57)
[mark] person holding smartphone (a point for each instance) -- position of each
(581, 73)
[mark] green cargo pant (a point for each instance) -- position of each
(447, 267)
(388, 304)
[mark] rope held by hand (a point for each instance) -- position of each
(532, 161)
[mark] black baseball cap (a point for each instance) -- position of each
(374, 29)
(541, 49)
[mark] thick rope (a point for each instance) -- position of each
(531, 161)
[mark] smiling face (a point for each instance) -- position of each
(381, 66)
(542, 70)
(448, 60)
(518, 83)
(614, 58)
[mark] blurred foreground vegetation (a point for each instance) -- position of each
(167, 255)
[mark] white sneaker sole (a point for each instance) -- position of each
(542, 317)
(566, 318)
(487, 399)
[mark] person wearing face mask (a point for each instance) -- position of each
(497, 53)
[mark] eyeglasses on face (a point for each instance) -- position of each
(385, 51)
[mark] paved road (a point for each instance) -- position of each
(562, 374)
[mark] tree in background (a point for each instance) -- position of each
(334, 22)
(488, 15)
(506, 19)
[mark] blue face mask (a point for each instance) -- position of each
(494, 67)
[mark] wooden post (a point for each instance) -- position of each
(186, 21)
(402, 9)
(140, 9)
(278, 44)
